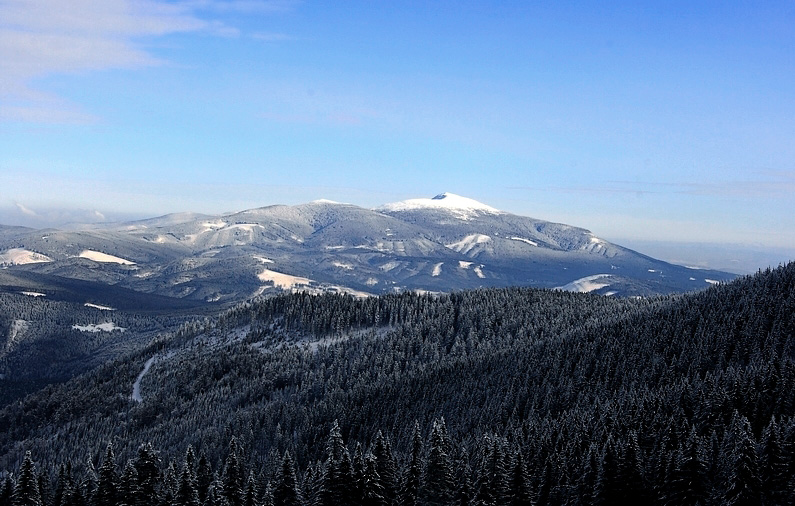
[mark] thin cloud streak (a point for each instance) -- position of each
(39, 38)
(783, 187)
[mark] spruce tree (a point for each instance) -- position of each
(233, 477)
(108, 481)
(286, 491)
(26, 490)
(688, 485)
(187, 494)
(437, 487)
(147, 467)
(386, 469)
(129, 492)
(743, 486)
(412, 479)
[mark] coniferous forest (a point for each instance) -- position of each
(485, 397)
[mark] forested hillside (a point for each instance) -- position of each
(497, 396)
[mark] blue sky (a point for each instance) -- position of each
(670, 121)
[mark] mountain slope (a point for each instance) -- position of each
(441, 244)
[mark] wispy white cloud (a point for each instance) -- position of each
(768, 184)
(39, 38)
(24, 210)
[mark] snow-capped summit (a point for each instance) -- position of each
(462, 206)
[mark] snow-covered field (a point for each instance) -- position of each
(98, 256)
(20, 256)
(99, 327)
(281, 280)
(586, 284)
(437, 269)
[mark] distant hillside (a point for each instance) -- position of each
(680, 399)
(441, 244)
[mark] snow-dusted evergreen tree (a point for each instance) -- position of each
(286, 492)
(147, 466)
(26, 490)
(386, 469)
(129, 492)
(412, 478)
(108, 484)
(688, 484)
(437, 488)
(743, 485)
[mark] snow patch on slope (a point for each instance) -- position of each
(586, 284)
(281, 280)
(98, 256)
(101, 327)
(20, 256)
(97, 306)
(527, 241)
(437, 269)
(468, 243)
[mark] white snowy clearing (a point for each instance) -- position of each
(479, 271)
(586, 284)
(522, 239)
(437, 269)
(263, 259)
(462, 207)
(344, 266)
(97, 306)
(17, 326)
(389, 266)
(464, 265)
(98, 256)
(100, 327)
(136, 391)
(712, 281)
(281, 280)
(468, 243)
(371, 282)
(34, 294)
(19, 256)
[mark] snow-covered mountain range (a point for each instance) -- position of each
(443, 243)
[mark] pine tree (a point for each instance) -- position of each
(187, 493)
(45, 488)
(521, 494)
(204, 477)
(233, 477)
(438, 480)
(773, 465)
(7, 490)
(147, 467)
(250, 494)
(412, 479)
(338, 478)
(744, 486)
(688, 485)
(108, 482)
(26, 490)
(386, 469)
(286, 491)
(129, 492)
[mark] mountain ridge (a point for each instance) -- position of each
(439, 244)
